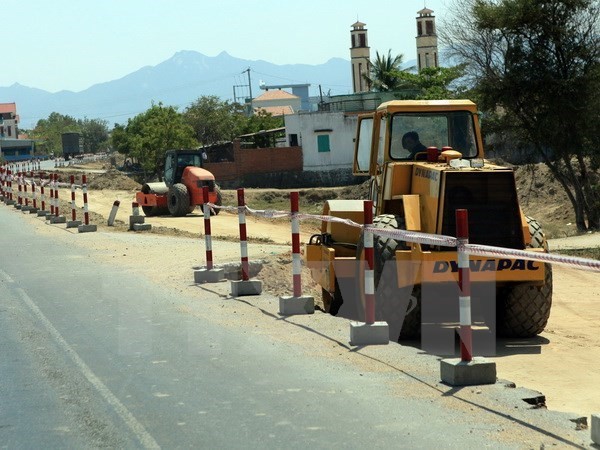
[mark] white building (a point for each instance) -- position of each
(326, 139)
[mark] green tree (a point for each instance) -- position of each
(261, 120)
(535, 66)
(435, 83)
(385, 73)
(147, 136)
(95, 135)
(214, 120)
(49, 131)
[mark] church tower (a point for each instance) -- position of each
(360, 57)
(427, 42)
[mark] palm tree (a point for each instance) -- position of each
(384, 73)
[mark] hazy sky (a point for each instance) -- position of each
(73, 44)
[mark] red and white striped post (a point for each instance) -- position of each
(33, 191)
(8, 194)
(86, 211)
(73, 210)
(9, 181)
(25, 189)
(369, 264)
(207, 231)
(210, 274)
(2, 181)
(51, 184)
(464, 285)
(297, 303)
(56, 201)
(296, 257)
(19, 181)
(243, 235)
(42, 194)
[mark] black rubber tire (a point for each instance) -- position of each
(178, 200)
(150, 211)
(393, 303)
(522, 310)
(219, 202)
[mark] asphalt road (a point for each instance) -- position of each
(94, 356)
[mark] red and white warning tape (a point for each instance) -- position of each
(432, 239)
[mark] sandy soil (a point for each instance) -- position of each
(562, 362)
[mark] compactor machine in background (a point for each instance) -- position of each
(418, 188)
(181, 190)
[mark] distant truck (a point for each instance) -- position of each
(72, 145)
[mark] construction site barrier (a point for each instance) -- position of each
(207, 230)
(296, 256)
(243, 235)
(464, 285)
(432, 239)
(369, 272)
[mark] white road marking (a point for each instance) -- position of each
(5, 277)
(132, 423)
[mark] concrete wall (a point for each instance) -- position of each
(341, 130)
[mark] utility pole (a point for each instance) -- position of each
(250, 89)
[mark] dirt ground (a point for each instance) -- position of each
(562, 362)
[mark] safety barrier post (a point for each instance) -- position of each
(73, 223)
(11, 200)
(51, 186)
(370, 332)
(25, 208)
(210, 274)
(86, 227)
(34, 208)
(466, 370)
(136, 221)
(296, 304)
(113, 213)
(19, 203)
(2, 183)
(464, 286)
(42, 212)
(57, 218)
(245, 286)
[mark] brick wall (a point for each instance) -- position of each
(256, 161)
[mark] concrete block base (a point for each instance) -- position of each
(142, 227)
(289, 305)
(9, 202)
(240, 288)
(42, 213)
(87, 228)
(33, 210)
(135, 219)
(209, 275)
(596, 429)
(73, 223)
(58, 219)
(362, 333)
(458, 373)
(25, 209)
(17, 206)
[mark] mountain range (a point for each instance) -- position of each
(178, 81)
